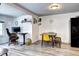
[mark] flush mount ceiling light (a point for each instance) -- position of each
(54, 6)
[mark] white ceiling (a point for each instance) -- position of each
(8, 10)
(41, 9)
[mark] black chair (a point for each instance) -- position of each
(12, 37)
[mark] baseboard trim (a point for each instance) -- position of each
(3, 43)
(66, 43)
(61, 43)
(36, 41)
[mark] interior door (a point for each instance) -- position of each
(74, 32)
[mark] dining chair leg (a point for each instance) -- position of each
(42, 43)
(59, 45)
(53, 43)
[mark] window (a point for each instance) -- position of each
(1, 28)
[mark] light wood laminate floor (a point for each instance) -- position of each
(37, 50)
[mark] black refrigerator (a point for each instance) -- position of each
(75, 32)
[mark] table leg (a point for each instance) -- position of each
(23, 39)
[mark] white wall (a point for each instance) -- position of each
(8, 23)
(31, 28)
(35, 31)
(58, 23)
(25, 27)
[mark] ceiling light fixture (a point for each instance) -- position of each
(54, 6)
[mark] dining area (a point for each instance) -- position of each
(51, 38)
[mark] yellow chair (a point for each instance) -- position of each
(45, 38)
